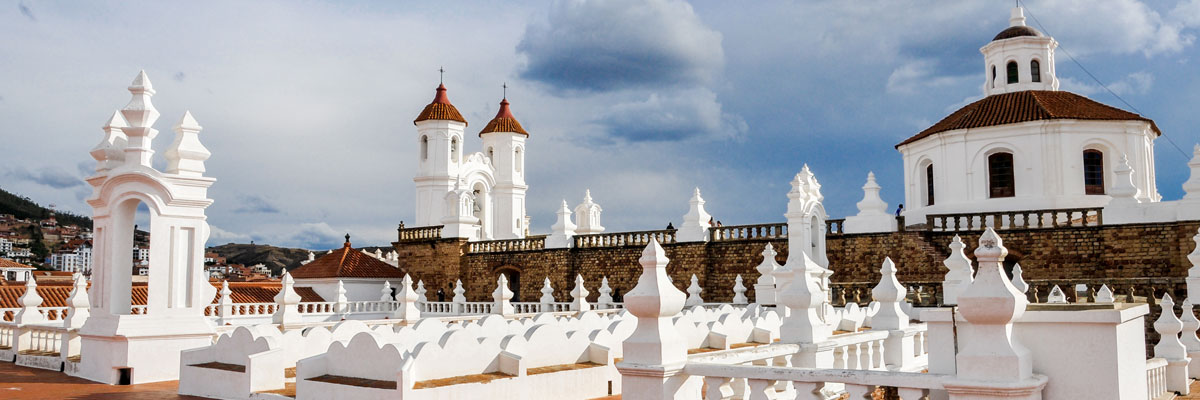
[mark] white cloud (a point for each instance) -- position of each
(1136, 83)
(221, 236)
(921, 75)
(672, 116)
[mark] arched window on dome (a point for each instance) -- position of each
(424, 147)
(929, 185)
(1093, 172)
(1035, 68)
(1012, 72)
(1000, 175)
(993, 76)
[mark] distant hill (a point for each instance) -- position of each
(276, 258)
(23, 207)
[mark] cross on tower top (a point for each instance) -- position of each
(505, 92)
(441, 75)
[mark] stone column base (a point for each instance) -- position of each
(658, 382)
(1027, 389)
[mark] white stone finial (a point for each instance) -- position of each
(803, 297)
(547, 293)
(1194, 257)
(385, 294)
(872, 211)
(186, 155)
(1017, 18)
(110, 152)
(287, 302)
(1123, 191)
(421, 299)
(1105, 295)
(889, 293)
(458, 292)
(694, 290)
(605, 300)
(991, 304)
(78, 302)
(1190, 325)
(1056, 296)
(961, 272)
(739, 291)
(29, 302)
(654, 301)
(1191, 188)
(563, 229)
(341, 302)
(502, 297)
(407, 310)
(695, 222)
(579, 296)
(1018, 279)
(140, 116)
(1168, 327)
(587, 216)
(871, 203)
(378, 254)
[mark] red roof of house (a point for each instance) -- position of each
(241, 292)
(440, 108)
(6, 263)
(1025, 106)
(347, 263)
(504, 122)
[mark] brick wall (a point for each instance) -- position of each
(1113, 251)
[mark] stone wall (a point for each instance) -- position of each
(1112, 251)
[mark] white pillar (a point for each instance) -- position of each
(385, 294)
(547, 300)
(341, 304)
(421, 300)
(803, 298)
(605, 301)
(739, 291)
(695, 222)
(889, 293)
(1124, 192)
(1193, 276)
(1018, 279)
(655, 353)
(287, 312)
(1192, 186)
(224, 304)
(459, 300)
(872, 211)
(764, 288)
(407, 308)
(1188, 337)
(502, 297)
(29, 303)
(587, 215)
(563, 232)
(1169, 346)
(960, 274)
(693, 298)
(78, 302)
(579, 296)
(990, 359)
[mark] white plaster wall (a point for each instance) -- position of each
(1048, 165)
(357, 289)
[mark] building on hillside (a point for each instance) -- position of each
(74, 256)
(6, 246)
(361, 275)
(478, 196)
(1026, 145)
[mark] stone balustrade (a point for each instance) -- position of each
(835, 227)
(623, 239)
(763, 382)
(747, 232)
(418, 233)
(1156, 378)
(501, 246)
(1022, 219)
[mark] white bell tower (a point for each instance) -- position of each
(504, 144)
(440, 153)
(1019, 58)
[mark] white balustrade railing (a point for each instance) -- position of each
(324, 307)
(370, 306)
(477, 307)
(522, 308)
(1156, 378)
(862, 350)
(763, 381)
(44, 338)
(7, 329)
(252, 309)
(438, 307)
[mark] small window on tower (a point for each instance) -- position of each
(492, 154)
(929, 185)
(1012, 72)
(1001, 182)
(1035, 68)
(1093, 172)
(424, 147)
(520, 160)
(454, 149)
(993, 76)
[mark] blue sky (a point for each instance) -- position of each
(307, 107)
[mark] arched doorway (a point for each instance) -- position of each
(513, 274)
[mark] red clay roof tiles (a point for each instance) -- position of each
(346, 263)
(504, 122)
(440, 108)
(1025, 106)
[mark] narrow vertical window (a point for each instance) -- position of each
(454, 149)
(492, 155)
(1093, 172)
(1012, 72)
(1035, 68)
(424, 147)
(993, 76)
(1000, 175)
(519, 160)
(929, 185)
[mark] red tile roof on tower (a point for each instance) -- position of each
(1025, 106)
(504, 122)
(440, 108)
(346, 262)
